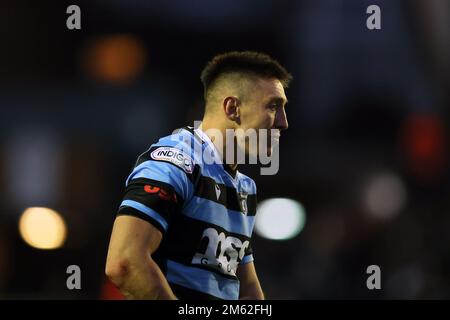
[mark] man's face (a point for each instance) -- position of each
(264, 109)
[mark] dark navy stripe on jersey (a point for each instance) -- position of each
(166, 173)
(155, 195)
(202, 280)
(208, 188)
(218, 215)
(129, 211)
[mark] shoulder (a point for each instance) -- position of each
(169, 162)
(178, 148)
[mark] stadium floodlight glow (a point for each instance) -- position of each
(279, 218)
(42, 228)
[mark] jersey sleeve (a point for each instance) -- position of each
(159, 185)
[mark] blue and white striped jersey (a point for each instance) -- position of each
(205, 211)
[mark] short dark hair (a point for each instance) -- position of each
(251, 62)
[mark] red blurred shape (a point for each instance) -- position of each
(110, 292)
(424, 142)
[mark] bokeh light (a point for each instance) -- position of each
(424, 141)
(116, 59)
(385, 195)
(42, 228)
(279, 219)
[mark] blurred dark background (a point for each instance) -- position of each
(366, 153)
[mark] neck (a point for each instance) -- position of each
(220, 146)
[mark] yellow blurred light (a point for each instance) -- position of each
(115, 59)
(42, 228)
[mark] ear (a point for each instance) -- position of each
(231, 107)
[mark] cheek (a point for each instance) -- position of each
(258, 119)
(266, 121)
(270, 119)
(251, 119)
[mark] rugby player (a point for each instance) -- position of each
(184, 227)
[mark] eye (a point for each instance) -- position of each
(273, 106)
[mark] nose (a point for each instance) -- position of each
(281, 121)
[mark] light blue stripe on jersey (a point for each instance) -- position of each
(164, 172)
(217, 214)
(247, 259)
(148, 211)
(202, 280)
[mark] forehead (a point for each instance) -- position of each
(269, 88)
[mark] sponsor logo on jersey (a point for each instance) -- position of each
(162, 193)
(222, 252)
(174, 156)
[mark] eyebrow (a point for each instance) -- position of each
(278, 99)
